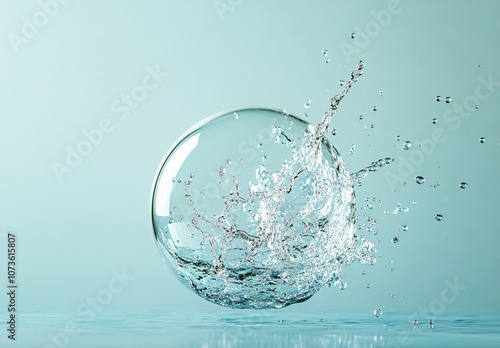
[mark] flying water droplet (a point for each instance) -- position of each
(438, 98)
(341, 82)
(438, 217)
(395, 240)
(327, 60)
(353, 35)
(448, 100)
(434, 121)
(325, 53)
(375, 108)
(420, 180)
(482, 140)
(377, 313)
(404, 227)
(307, 104)
(398, 138)
(334, 131)
(406, 145)
(381, 92)
(352, 149)
(463, 185)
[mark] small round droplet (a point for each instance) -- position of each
(395, 240)
(482, 140)
(353, 35)
(406, 145)
(341, 82)
(398, 137)
(404, 227)
(463, 185)
(171, 221)
(438, 217)
(334, 131)
(377, 312)
(434, 121)
(375, 108)
(236, 116)
(360, 117)
(448, 100)
(431, 324)
(327, 60)
(476, 106)
(381, 92)
(420, 180)
(368, 285)
(438, 98)
(415, 322)
(325, 53)
(307, 104)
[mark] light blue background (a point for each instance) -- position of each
(73, 233)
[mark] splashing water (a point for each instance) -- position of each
(273, 222)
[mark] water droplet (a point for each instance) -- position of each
(360, 117)
(398, 137)
(377, 312)
(236, 116)
(395, 240)
(306, 115)
(438, 217)
(368, 285)
(341, 82)
(327, 60)
(334, 131)
(352, 149)
(363, 272)
(463, 185)
(404, 227)
(406, 145)
(476, 106)
(415, 322)
(420, 180)
(381, 92)
(375, 108)
(438, 98)
(482, 140)
(307, 104)
(171, 221)
(431, 324)
(325, 53)
(353, 35)
(434, 121)
(448, 100)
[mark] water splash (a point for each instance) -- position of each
(273, 240)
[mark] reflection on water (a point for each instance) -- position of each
(259, 329)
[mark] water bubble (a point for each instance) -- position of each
(375, 108)
(395, 239)
(482, 140)
(353, 35)
(327, 60)
(415, 322)
(448, 100)
(307, 104)
(476, 106)
(334, 131)
(368, 285)
(325, 53)
(341, 82)
(360, 117)
(404, 227)
(264, 238)
(419, 180)
(406, 145)
(463, 185)
(381, 92)
(434, 121)
(438, 217)
(438, 98)
(431, 324)
(171, 221)
(398, 138)
(377, 312)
